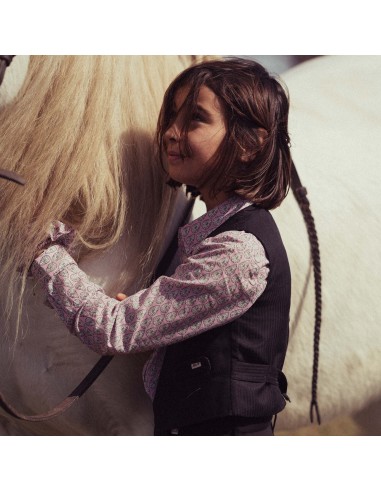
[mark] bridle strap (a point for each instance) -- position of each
(172, 247)
(300, 193)
(83, 386)
(103, 362)
(5, 61)
(11, 176)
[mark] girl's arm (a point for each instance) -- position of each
(215, 285)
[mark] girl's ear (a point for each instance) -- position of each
(248, 155)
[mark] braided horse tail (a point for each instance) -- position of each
(300, 193)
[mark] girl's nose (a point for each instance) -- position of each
(172, 134)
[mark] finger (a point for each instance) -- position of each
(121, 296)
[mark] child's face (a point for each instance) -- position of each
(205, 135)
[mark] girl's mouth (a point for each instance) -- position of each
(174, 156)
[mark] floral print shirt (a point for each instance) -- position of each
(217, 280)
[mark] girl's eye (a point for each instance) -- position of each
(197, 117)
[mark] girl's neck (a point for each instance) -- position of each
(212, 202)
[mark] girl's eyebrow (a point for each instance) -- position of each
(199, 107)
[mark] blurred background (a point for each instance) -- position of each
(278, 63)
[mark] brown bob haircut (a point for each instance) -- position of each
(254, 159)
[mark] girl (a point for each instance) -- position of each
(218, 327)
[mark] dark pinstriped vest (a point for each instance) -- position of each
(233, 369)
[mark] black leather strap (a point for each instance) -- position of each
(67, 402)
(11, 176)
(5, 61)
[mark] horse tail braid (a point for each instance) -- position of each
(300, 194)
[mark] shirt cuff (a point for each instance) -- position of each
(59, 233)
(50, 262)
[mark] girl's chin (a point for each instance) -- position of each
(181, 178)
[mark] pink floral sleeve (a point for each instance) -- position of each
(216, 284)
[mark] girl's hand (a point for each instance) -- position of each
(59, 233)
(120, 297)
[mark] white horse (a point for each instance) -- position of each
(334, 124)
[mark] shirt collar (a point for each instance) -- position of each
(193, 233)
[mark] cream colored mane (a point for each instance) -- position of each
(81, 133)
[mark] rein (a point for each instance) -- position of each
(83, 386)
(11, 176)
(5, 61)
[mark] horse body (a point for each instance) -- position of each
(334, 124)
